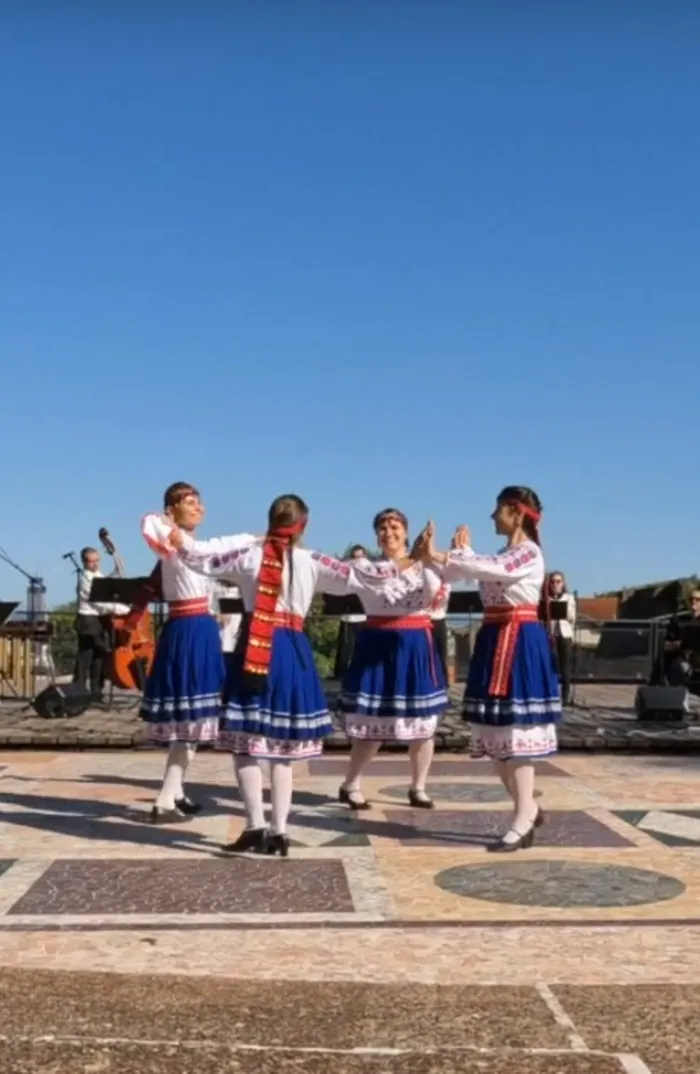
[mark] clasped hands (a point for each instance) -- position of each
(424, 545)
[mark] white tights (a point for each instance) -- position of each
(518, 777)
(250, 784)
(179, 757)
(420, 755)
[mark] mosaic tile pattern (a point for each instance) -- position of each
(398, 766)
(560, 883)
(456, 792)
(562, 828)
(188, 887)
(673, 828)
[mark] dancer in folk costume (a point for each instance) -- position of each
(182, 699)
(512, 698)
(275, 708)
(395, 689)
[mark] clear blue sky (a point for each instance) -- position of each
(376, 253)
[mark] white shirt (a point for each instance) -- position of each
(376, 584)
(87, 607)
(439, 607)
(229, 623)
(513, 577)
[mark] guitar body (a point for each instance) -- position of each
(132, 662)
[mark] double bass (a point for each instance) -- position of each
(133, 658)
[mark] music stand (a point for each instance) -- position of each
(231, 606)
(7, 610)
(115, 591)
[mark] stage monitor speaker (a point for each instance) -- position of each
(661, 704)
(57, 702)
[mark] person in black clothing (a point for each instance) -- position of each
(562, 631)
(349, 625)
(682, 644)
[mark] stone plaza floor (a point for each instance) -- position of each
(389, 942)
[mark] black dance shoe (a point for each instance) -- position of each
(523, 842)
(165, 816)
(278, 844)
(346, 797)
(251, 841)
(420, 800)
(187, 807)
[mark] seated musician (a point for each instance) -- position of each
(93, 627)
(682, 645)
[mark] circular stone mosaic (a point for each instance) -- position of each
(456, 792)
(559, 884)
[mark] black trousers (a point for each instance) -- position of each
(345, 647)
(93, 653)
(440, 638)
(563, 649)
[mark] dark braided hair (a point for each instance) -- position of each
(284, 511)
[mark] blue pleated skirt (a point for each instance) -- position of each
(394, 689)
(289, 718)
(182, 699)
(521, 725)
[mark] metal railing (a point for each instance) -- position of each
(615, 652)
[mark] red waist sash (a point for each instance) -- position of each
(398, 622)
(407, 622)
(177, 609)
(508, 619)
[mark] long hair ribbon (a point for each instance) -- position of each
(256, 663)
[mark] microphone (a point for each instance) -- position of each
(67, 555)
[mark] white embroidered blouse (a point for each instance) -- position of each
(514, 576)
(379, 587)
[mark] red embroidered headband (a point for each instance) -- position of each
(529, 512)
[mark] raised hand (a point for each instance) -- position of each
(175, 538)
(462, 537)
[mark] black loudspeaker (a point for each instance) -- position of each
(55, 702)
(661, 703)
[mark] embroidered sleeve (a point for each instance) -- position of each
(363, 576)
(510, 566)
(441, 598)
(149, 593)
(219, 556)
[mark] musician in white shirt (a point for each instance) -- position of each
(562, 631)
(92, 626)
(229, 624)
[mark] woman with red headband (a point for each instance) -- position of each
(512, 697)
(394, 690)
(274, 705)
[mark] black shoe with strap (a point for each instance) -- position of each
(278, 844)
(420, 800)
(187, 807)
(251, 841)
(508, 846)
(353, 799)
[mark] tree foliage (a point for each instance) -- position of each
(64, 644)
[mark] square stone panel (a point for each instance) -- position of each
(562, 828)
(398, 766)
(238, 886)
(671, 827)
